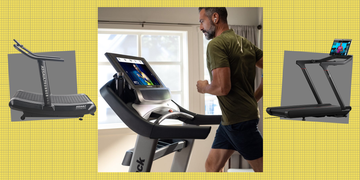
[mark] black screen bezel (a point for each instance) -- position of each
(112, 57)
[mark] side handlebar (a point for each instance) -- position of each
(325, 64)
(200, 119)
(173, 115)
(29, 54)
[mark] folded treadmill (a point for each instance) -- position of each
(46, 104)
(320, 109)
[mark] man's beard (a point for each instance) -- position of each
(210, 34)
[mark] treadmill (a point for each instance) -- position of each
(143, 102)
(46, 104)
(320, 109)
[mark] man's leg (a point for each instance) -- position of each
(247, 140)
(256, 164)
(216, 159)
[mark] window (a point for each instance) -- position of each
(164, 51)
(212, 106)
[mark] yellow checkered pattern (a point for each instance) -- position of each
(67, 149)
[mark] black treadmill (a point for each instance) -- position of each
(46, 104)
(143, 102)
(320, 109)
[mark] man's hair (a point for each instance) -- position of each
(209, 11)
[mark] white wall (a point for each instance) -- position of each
(236, 16)
(114, 143)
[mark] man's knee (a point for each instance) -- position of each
(257, 164)
(213, 166)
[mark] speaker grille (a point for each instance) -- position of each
(158, 94)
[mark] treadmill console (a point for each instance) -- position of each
(137, 84)
(141, 78)
(340, 47)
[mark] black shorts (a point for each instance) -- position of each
(243, 137)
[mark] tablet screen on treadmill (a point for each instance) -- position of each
(138, 72)
(340, 47)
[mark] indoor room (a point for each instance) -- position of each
(171, 41)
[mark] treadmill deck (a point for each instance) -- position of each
(32, 105)
(55, 99)
(314, 110)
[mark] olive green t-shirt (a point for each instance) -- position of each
(239, 104)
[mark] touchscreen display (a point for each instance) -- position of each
(138, 72)
(340, 47)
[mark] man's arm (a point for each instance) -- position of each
(220, 84)
(259, 63)
(259, 91)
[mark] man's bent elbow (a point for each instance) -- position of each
(225, 91)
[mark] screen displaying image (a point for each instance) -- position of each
(340, 47)
(138, 72)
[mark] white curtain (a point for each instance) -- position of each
(251, 33)
(248, 32)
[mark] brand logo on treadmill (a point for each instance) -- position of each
(46, 89)
(81, 107)
(140, 164)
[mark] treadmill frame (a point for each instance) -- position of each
(45, 86)
(48, 108)
(324, 63)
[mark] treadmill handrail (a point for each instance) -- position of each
(19, 47)
(144, 128)
(200, 119)
(173, 115)
(325, 64)
(325, 61)
(45, 85)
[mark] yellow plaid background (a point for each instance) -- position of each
(67, 149)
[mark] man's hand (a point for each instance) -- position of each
(220, 84)
(201, 85)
